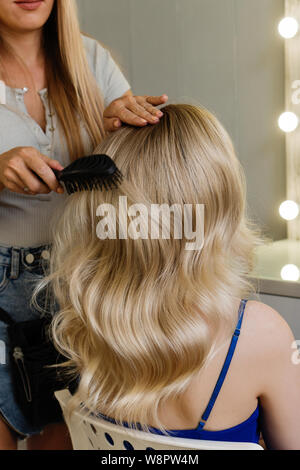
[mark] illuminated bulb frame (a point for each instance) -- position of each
(290, 272)
(284, 22)
(288, 206)
(288, 116)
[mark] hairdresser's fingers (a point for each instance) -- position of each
(138, 105)
(16, 189)
(14, 183)
(112, 124)
(54, 165)
(118, 110)
(29, 179)
(41, 166)
(157, 100)
(24, 162)
(128, 117)
(142, 101)
(129, 111)
(15, 161)
(150, 103)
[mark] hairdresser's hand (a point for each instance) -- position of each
(17, 168)
(134, 110)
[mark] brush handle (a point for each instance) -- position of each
(57, 173)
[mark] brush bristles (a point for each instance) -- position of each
(94, 183)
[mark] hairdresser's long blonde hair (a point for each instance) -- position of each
(72, 88)
(139, 318)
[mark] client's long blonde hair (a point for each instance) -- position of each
(139, 318)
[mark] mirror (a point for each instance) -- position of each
(229, 57)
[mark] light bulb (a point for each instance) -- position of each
(288, 27)
(288, 122)
(290, 272)
(289, 210)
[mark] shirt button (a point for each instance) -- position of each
(46, 255)
(30, 258)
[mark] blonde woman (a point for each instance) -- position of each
(55, 87)
(158, 334)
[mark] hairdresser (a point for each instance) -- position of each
(61, 93)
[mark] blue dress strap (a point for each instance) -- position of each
(225, 367)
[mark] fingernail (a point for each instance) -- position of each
(117, 124)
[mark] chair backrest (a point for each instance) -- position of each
(90, 433)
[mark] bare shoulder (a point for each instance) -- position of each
(264, 318)
(265, 328)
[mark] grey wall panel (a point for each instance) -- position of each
(207, 56)
(154, 47)
(109, 22)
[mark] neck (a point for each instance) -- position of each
(26, 45)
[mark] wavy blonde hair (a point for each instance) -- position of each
(72, 88)
(139, 318)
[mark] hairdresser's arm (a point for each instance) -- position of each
(19, 167)
(133, 110)
(280, 371)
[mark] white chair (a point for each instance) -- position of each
(90, 433)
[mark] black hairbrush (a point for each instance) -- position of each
(88, 173)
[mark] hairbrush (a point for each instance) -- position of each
(89, 173)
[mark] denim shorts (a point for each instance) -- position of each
(20, 271)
